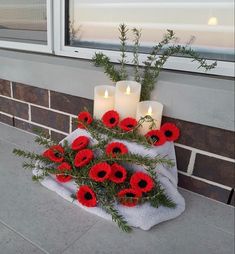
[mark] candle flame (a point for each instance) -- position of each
(106, 94)
(213, 21)
(128, 90)
(150, 111)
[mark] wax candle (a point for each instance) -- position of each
(127, 96)
(153, 109)
(103, 100)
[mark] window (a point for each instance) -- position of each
(89, 26)
(24, 24)
(79, 28)
(93, 24)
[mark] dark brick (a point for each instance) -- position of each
(6, 119)
(49, 118)
(56, 136)
(30, 94)
(5, 88)
(69, 103)
(232, 201)
(14, 108)
(29, 126)
(214, 169)
(206, 138)
(182, 158)
(74, 124)
(203, 188)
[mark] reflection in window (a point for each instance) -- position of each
(93, 23)
(23, 21)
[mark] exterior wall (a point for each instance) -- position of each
(205, 154)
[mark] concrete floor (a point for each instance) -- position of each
(36, 220)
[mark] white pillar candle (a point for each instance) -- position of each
(103, 100)
(127, 96)
(153, 109)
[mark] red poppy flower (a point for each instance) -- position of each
(141, 182)
(83, 157)
(156, 137)
(55, 153)
(115, 148)
(127, 124)
(110, 118)
(84, 117)
(100, 172)
(86, 196)
(80, 143)
(64, 167)
(171, 131)
(123, 196)
(118, 173)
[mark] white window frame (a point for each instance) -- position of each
(48, 48)
(174, 63)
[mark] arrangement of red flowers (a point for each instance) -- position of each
(101, 167)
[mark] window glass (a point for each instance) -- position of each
(23, 21)
(93, 24)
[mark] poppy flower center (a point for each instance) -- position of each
(116, 150)
(112, 120)
(142, 183)
(155, 138)
(119, 174)
(88, 196)
(130, 195)
(101, 173)
(57, 154)
(130, 126)
(168, 133)
(86, 119)
(84, 158)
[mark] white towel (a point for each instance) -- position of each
(143, 216)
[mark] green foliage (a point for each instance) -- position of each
(156, 59)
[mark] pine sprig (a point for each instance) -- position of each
(116, 217)
(136, 41)
(30, 155)
(158, 56)
(100, 60)
(123, 40)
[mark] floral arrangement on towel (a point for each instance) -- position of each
(100, 168)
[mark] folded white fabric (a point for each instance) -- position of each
(143, 216)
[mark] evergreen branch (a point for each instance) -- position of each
(168, 37)
(30, 155)
(123, 38)
(166, 201)
(137, 34)
(101, 60)
(116, 217)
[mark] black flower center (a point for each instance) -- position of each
(142, 183)
(57, 154)
(130, 126)
(85, 119)
(130, 195)
(168, 133)
(155, 138)
(101, 173)
(119, 174)
(112, 120)
(116, 150)
(84, 158)
(88, 196)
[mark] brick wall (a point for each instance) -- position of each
(205, 155)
